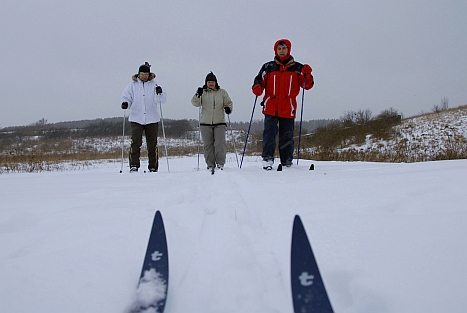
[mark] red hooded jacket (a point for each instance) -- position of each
(281, 80)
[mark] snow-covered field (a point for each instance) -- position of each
(388, 238)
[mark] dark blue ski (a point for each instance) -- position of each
(308, 291)
(151, 293)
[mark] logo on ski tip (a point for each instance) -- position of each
(306, 279)
(156, 256)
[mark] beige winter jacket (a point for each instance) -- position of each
(213, 102)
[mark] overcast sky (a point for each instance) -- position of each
(70, 60)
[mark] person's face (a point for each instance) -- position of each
(211, 84)
(282, 51)
(144, 76)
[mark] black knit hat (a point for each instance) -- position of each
(145, 68)
(210, 78)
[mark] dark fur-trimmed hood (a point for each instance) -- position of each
(151, 77)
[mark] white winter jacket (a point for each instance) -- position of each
(143, 102)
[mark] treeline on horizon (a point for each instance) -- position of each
(113, 126)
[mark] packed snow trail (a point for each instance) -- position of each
(230, 255)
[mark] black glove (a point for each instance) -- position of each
(124, 105)
(158, 90)
(199, 92)
(227, 110)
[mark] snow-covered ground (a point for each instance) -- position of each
(423, 137)
(388, 238)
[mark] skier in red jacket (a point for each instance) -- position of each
(280, 80)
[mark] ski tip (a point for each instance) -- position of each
(158, 217)
(297, 219)
(158, 214)
(279, 168)
(312, 167)
(297, 225)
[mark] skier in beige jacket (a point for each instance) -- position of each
(215, 103)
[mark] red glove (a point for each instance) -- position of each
(306, 69)
(257, 90)
(307, 82)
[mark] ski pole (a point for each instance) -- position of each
(233, 139)
(301, 118)
(123, 140)
(199, 127)
(163, 133)
(248, 133)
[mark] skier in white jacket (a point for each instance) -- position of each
(143, 97)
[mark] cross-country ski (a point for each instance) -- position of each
(308, 292)
(151, 292)
(280, 167)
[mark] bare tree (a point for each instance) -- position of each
(363, 116)
(444, 104)
(41, 122)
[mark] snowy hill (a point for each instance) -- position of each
(435, 136)
(388, 238)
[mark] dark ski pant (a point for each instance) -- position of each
(285, 128)
(215, 147)
(150, 131)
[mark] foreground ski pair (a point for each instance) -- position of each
(308, 292)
